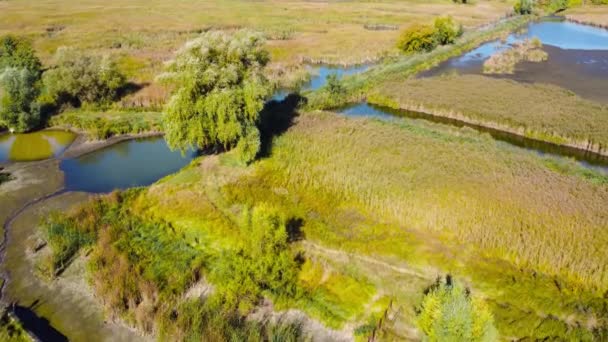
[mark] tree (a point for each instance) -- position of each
(417, 38)
(82, 78)
(19, 89)
(19, 86)
(523, 7)
(449, 313)
(446, 30)
(219, 91)
(18, 53)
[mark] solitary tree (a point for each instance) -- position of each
(450, 313)
(219, 91)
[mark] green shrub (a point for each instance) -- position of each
(417, 38)
(446, 30)
(19, 110)
(18, 53)
(80, 78)
(20, 71)
(523, 7)
(248, 147)
(449, 313)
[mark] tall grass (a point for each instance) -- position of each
(513, 222)
(537, 111)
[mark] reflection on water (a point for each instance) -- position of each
(127, 164)
(586, 159)
(319, 76)
(578, 58)
(34, 146)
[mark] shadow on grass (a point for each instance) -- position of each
(276, 118)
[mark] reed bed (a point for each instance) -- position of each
(538, 111)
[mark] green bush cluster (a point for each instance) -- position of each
(79, 78)
(109, 124)
(20, 72)
(27, 94)
(449, 313)
(523, 7)
(420, 37)
(142, 269)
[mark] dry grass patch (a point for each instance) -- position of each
(593, 15)
(329, 31)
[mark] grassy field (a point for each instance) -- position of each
(146, 33)
(386, 207)
(595, 15)
(538, 111)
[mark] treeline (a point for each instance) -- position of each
(29, 94)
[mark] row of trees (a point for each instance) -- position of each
(28, 93)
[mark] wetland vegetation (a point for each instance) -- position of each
(214, 196)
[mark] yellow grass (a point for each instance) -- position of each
(149, 31)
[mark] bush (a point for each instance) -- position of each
(18, 53)
(446, 30)
(523, 7)
(19, 86)
(19, 89)
(417, 38)
(79, 78)
(449, 313)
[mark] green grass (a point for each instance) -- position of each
(101, 125)
(538, 111)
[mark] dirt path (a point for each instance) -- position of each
(313, 247)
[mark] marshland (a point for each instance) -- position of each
(304, 170)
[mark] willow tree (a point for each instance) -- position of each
(218, 92)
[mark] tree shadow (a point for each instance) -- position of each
(294, 229)
(130, 88)
(36, 325)
(275, 119)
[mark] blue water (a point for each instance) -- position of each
(127, 164)
(569, 36)
(320, 74)
(364, 109)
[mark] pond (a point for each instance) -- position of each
(586, 159)
(34, 146)
(132, 163)
(577, 61)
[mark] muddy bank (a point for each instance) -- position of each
(67, 302)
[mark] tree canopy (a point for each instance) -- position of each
(82, 78)
(219, 91)
(19, 84)
(18, 53)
